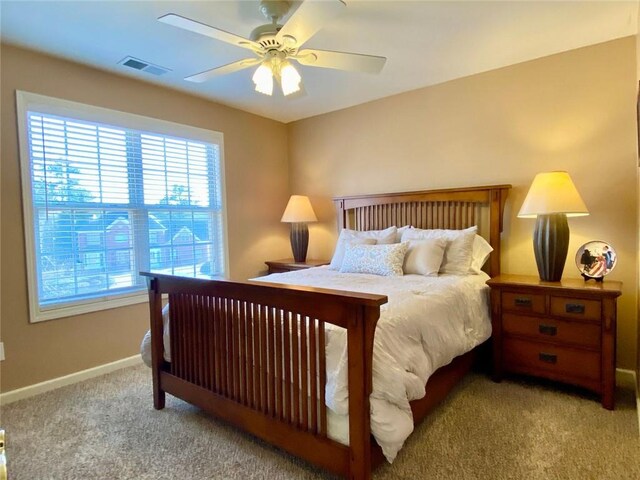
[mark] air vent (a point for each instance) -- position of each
(138, 64)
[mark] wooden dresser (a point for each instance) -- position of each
(289, 264)
(563, 331)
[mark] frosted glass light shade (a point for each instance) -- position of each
(289, 79)
(263, 79)
(553, 192)
(299, 210)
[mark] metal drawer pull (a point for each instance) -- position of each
(522, 302)
(548, 357)
(574, 308)
(547, 329)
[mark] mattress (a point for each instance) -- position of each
(427, 322)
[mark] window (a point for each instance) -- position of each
(108, 194)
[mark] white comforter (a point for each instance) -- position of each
(427, 322)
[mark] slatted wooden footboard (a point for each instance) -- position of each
(253, 354)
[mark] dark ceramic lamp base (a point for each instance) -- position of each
(550, 245)
(299, 241)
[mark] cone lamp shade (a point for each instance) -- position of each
(298, 213)
(551, 199)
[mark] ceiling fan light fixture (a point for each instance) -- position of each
(263, 79)
(289, 79)
(274, 44)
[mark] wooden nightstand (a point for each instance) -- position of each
(289, 264)
(563, 331)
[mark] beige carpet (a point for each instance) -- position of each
(106, 428)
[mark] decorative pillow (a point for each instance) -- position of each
(385, 236)
(457, 254)
(424, 257)
(376, 259)
(480, 254)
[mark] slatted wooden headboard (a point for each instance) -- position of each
(452, 208)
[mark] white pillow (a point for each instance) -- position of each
(385, 236)
(401, 231)
(375, 259)
(480, 254)
(424, 257)
(459, 249)
(362, 241)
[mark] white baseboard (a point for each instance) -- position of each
(638, 407)
(31, 390)
(626, 378)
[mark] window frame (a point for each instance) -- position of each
(26, 101)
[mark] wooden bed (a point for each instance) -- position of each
(252, 353)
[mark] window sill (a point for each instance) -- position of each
(52, 313)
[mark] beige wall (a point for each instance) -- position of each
(257, 185)
(573, 111)
(638, 112)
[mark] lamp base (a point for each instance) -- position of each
(299, 241)
(550, 245)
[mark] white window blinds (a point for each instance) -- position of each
(108, 201)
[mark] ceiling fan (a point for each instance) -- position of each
(275, 45)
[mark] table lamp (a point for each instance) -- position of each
(298, 213)
(551, 199)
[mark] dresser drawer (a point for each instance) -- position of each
(552, 330)
(576, 308)
(565, 363)
(523, 302)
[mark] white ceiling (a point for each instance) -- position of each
(425, 42)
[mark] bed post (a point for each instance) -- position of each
(360, 335)
(497, 202)
(157, 348)
(342, 214)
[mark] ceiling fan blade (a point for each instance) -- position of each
(228, 68)
(353, 62)
(310, 17)
(209, 31)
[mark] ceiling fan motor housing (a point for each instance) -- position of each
(268, 31)
(265, 35)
